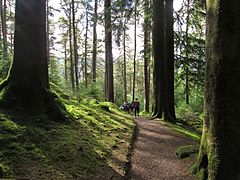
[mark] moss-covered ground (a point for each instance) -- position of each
(187, 152)
(92, 145)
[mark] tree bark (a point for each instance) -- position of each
(186, 65)
(85, 53)
(48, 29)
(75, 45)
(146, 27)
(135, 50)
(27, 85)
(94, 57)
(219, 155)
(158, 54)
(169, 110)
(124, 63)
(1, 38)
(71, 49)
(65, 61)
(4, 29)
(108, 51)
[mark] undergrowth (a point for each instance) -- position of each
(93, 145)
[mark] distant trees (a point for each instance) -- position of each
(4, 28)
(6, 35)
(76, 41)
(219, 155)
(189, 54)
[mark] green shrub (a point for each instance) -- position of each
(186, 151)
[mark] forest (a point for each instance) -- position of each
(120, 89)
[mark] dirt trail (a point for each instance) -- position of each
(154, 153)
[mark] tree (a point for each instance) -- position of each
(169, 111)
(147, 51)
(135, 49)
(94, 56)
(75, 45)
(27, 85)
(186, 65)
(109, 88)
(4, 28)
(48, 31)
(219, 155)
(68, 10)
(86, 48)
(163, 49)
(158, 55)
(124, 63)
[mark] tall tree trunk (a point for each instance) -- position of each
(47, 39)
(158, 54)
(135, 50)
(4, 29)
(219, 155)
(65, 61)
(1, 38)
(27, 85)
(147, 23)
(94, 57)
(108, 46)
(186, 67)
(124, 63)
(85, 53)
(75, 45)
(169, 111)
(71, 50)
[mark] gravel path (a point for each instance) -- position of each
(154, 153)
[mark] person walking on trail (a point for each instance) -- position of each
(136, 107)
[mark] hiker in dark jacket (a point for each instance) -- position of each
(136, 107)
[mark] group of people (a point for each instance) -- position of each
(132, 108)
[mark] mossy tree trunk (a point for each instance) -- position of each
(219, 155)
(27, 84)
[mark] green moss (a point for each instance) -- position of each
(59, 91)
(4, 170)
(6, 125)
(184, 130)
(186, 151)
(38, 146)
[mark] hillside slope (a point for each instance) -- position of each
(95, 143)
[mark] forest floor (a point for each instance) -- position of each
(154, 152)
(92, 145)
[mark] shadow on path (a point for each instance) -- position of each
(154, 154)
